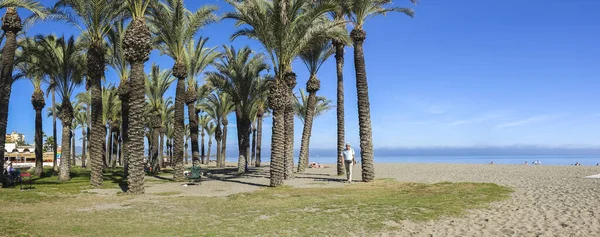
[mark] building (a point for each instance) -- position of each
(15, 137)
(24, 156)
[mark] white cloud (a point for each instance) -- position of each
(526, 121)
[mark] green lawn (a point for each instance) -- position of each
(62, 209)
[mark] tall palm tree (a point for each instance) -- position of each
(313, 58)
(174, 27)
(82, 118)
(167, 113)
(197, 59)
(110, 115)
(85, 99)
(62, 62)
(203, 123)
(238, 75)
(53, 112)
(95, 19)
(137, 44)
(11, 25)
(303, 110)
(285, 28)
(29, 67)
(218, 106)
(261, 112)
(157, 84)
(359, 12)
(203, 93)
(210, 131)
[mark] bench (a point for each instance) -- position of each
(25, 181)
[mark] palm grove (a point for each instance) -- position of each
(115, 120)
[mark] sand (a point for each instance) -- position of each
(547, 200)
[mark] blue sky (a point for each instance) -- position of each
(460, 74)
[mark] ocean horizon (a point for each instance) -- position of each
(585, 160)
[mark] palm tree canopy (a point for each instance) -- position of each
(61, 61)
(116, 55)
(94, 18)
(198, 57)
(361, 10)
(322, 105)
(238, 74)
(285, 40)
(34, 6)
(315, 56)
(218, 105)
(157, 84)
(174, 26)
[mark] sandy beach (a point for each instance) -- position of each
(547, 200)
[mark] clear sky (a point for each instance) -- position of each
(464, 73)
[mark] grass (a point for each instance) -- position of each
(54, 209)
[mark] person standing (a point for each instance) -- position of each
(349, 161)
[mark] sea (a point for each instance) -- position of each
(584, 160)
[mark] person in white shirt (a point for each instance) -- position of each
(349, 161)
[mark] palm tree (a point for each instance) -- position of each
(137, 44)
(285, 28)
(218, 106)
(203, 123)
(203, 93)
(210, 131)
(261, 111)
(238, 75)
(11, 25)
(313, 58)
(157, 84)
(111, 116)
(53, 112)
(167, 113)
(82, 118)
(62, 62)
(94, 18)
(197, 59)
(303, 110)
(29, 67)
(174, 27)
(85, 99)
(359, 12)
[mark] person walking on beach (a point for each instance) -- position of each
(349, 161)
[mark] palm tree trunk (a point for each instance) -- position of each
(115, 148)
(64, 174)
(258, 139)
(312, 86)
(155, 144)
(106, 151)
(202, 153)
(218, 134)
(193, 123)
(339, 62)
(288, 165)
(179, 127)
(135, 179)
(54, 133)
(11, 25)
(124, 93)
(364, 108)
(208, 151)
(37, 100)
(253, 149)
(83, 147)
(161, 147)
(278, 100)
(73, 154)
(224, 143)
(95, 68)
(242, 131)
